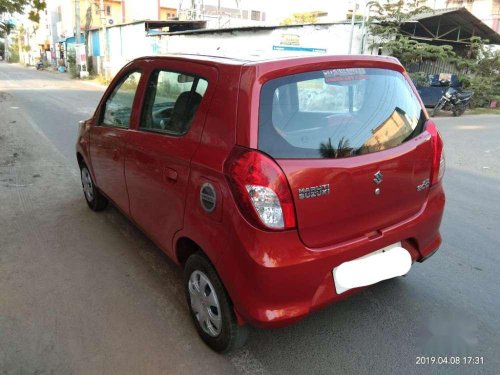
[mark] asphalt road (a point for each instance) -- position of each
(87, 293)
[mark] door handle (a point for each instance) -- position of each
(170, 174)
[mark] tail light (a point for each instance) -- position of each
(438, 161)
(260, 189)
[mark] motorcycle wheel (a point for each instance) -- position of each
(437, 108)
(458, 111)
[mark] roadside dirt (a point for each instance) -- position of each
(81, 293)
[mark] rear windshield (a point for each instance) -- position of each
(337, 113)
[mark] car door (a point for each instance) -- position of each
(159, 151)
(109, 137)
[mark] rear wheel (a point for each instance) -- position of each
(95, 200)
(210, 306)
(459, 110)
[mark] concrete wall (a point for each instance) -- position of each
(130, 41)
(329, 39)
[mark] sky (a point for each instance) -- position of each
(277, 10)
(291, 6)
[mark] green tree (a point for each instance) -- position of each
(482, 72)
(19, 6)
(385, 28)
(300, 18)
(71, 58)
(6, 28)
(13, 49)
(480, 65)
(88, 22)
(343, 149)
(389, 15)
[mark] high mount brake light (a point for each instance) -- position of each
(438, 161)
(260, 189)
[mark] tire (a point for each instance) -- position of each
(437, 108)
(210, 306)
(459, 111)
(95, 200)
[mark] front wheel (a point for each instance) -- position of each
(210, 306)
(437, 108)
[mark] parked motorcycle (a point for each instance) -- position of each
(452, 100)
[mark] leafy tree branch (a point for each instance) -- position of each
(20, 6)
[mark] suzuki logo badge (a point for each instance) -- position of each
(378, 177)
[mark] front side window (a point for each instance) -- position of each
(118, 107)
(172, 100)
(337, 113)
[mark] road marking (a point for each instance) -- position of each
(471, 127)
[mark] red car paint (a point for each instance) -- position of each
(274, 277)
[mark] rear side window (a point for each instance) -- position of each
(337, 113)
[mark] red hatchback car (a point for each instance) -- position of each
(280, 186)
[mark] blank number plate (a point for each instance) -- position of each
(383, 264)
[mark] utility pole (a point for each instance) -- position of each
(218, 12)
(179, 8)
(77, 22)
(6, 52)
(353, 16)
(103, 41)
(366, 17)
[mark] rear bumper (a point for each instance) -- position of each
(274, 280)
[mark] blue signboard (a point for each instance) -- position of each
(298, 49)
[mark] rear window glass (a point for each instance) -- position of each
(337, 113)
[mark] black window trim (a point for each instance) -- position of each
(119, 83)
(165, 131)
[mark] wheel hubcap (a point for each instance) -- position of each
(88, 189)
(205, 303)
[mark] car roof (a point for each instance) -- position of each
(262, 58)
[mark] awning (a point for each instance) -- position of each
(173, 26)
(449, 26)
